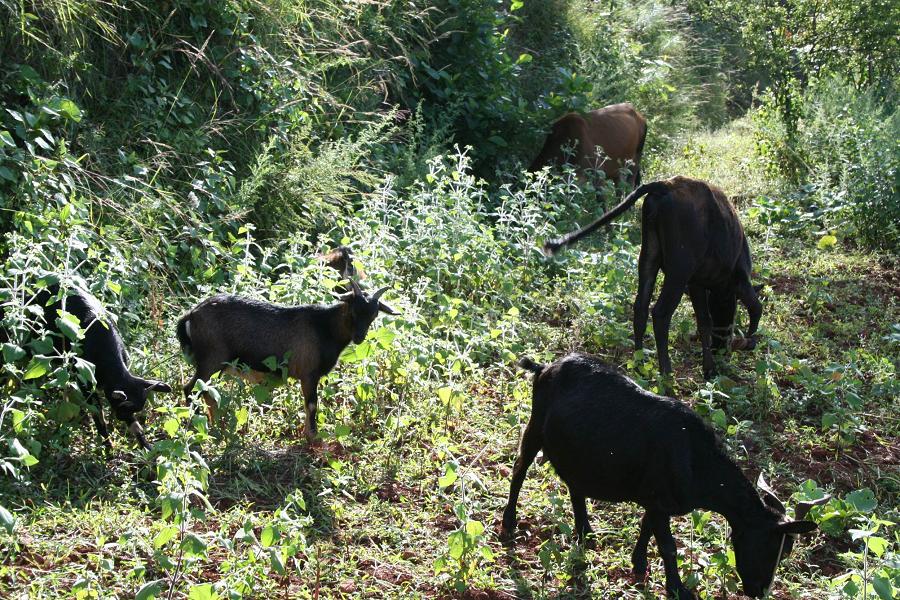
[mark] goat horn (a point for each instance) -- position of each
(378, 294)
(767, 490)
(803, 508)
(356, 289)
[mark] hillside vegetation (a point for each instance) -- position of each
(156, 153)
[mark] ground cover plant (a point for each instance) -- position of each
(155, 155)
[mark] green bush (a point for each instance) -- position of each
(845, 156)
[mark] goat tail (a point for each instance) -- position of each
(529, 365)
(554, 246)
(182, 331)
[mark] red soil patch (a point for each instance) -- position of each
(394, 491)
(385, 571)
(840, 466)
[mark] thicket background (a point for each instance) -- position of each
(158, 152)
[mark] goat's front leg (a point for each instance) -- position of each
(100, 421)
(675, 588)
(639, 554)
(310, 386)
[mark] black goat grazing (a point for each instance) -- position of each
(691, 231)
(611, 440)
(102, 345)
(310, 338)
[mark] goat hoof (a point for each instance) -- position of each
(508, 528)
(743, 343)
(683, 593)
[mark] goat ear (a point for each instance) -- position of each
(802, 509)
(118, 396)
(769, 496)
(796, 527)
(387, 309)
(158, 386)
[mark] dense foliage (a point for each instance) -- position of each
(155, 153)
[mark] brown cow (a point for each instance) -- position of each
(691, 231)
(618, 131)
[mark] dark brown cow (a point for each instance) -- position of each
(691, 231)
(618, 130)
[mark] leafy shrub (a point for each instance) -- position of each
(847, 149)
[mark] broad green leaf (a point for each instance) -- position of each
(276, 560)
(193, 545)
(242, 415)
(474, 528)
(171, 427)
(164, 536)
(12, 353)
(150, 590)
(66, 411)
(7, 520)
(877, 545)
(884, 588)
(449, 476)
(267, 537)
(862, 500)
(202, 591)
(37, 368)
(444, 394)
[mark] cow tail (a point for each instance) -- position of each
(554, 246)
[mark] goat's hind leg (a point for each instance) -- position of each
(639, 554)
(531, 443)
(99, 420)
(704, 325)
(669, 297)
(750, 299)
(648, 268)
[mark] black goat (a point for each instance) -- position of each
(611, 440)
(103, 347)
(310, 338)
(691, 231)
